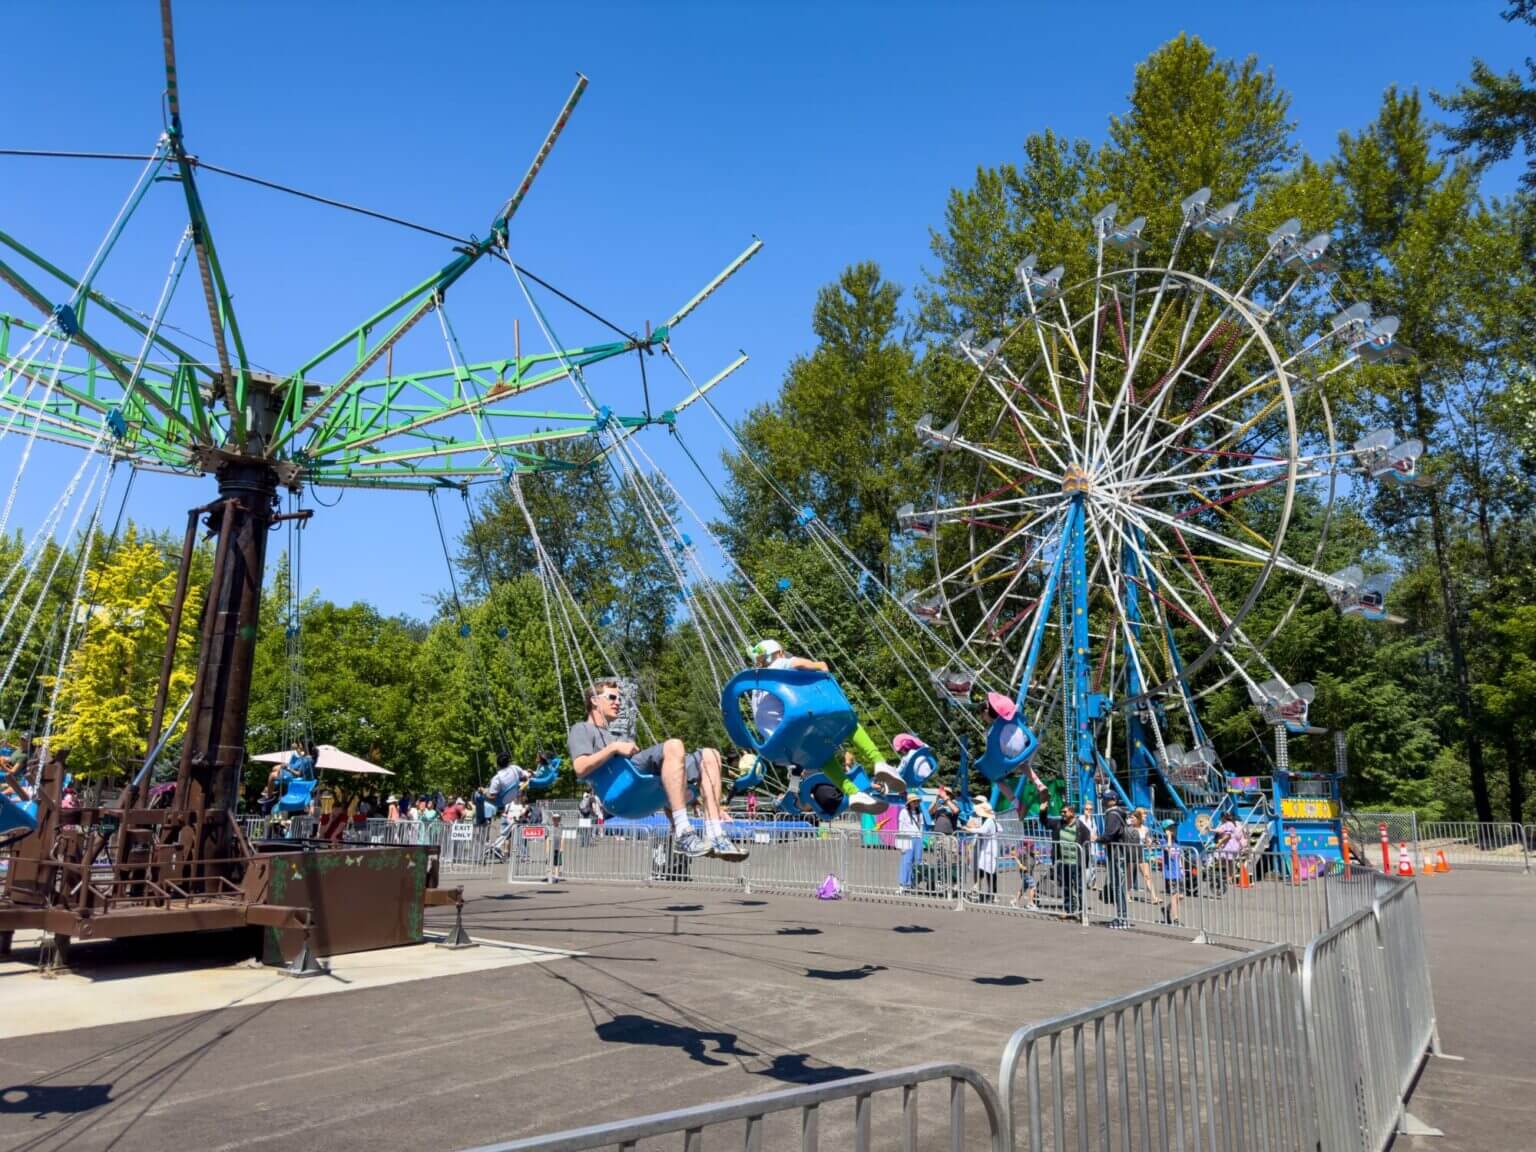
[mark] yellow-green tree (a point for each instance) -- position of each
(109, 681)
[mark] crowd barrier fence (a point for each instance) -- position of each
(1272, 1049)
(1216, 1059)
(748, 1119)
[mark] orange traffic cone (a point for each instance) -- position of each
(1441, 863)
(1404, 863)
(1242, 877)
(1424, 866)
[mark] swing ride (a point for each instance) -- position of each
(88, 372)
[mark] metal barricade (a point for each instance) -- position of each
(1469, 844)
(748, 1120)
(465, 848)
(1021, 875)
(609, 855)
(912, 869)
(1258, 899)
(1400, 934)
(1345, 998)
(794, 860)
(1365, 833)
(1216, 1059)
(1130, 884)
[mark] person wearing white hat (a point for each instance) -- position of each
(983, 825)
(768, 714)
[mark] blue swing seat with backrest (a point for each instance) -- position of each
(625, 790)
(546, 776)
(808, 798)
(297, 796)
(17, 816)
(817, 716)
(751, 778)
(917, 765)
(993, 764)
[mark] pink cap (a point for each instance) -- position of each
(906, 742)
(1001, 705)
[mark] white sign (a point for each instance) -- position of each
(462, 830)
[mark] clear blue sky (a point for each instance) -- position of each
(833, 131)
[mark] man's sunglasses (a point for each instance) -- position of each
(608, 696)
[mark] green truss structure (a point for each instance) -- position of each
(334, 421)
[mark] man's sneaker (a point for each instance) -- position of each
(722, 849)
(889, 779)
(866, 805)
(692, 845)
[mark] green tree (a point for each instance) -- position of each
(1497, 110)
(103, 714)
(839, 437)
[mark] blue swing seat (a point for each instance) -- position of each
(808, 799)
(750, 779)
(296, 796)
(917, 765)
(546, 776)
(817, 716)
(17, 816)
(626, 791)
(993, 764)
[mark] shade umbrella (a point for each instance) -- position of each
(329, 758)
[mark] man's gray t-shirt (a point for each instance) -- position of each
(586, 738)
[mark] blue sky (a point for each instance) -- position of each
(832, 131)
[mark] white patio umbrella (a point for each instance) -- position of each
(330, 758)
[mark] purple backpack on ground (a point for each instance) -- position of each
(829, 889)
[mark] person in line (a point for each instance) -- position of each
(1072, 840)
(983, 825)
(556, 854)
(591, 746)
(1119, 840)
(1024, 858)
(909, 840)
(944, 819)
(393, 811)
(1173, 873)
(768, 714)
(1149, 854)
(1230, 844)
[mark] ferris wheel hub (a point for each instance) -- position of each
(1076, 480)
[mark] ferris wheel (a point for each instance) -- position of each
(1135, 490)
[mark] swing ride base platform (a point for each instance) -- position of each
(344, 899)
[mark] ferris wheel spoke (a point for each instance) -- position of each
(1117, 603)
(1218, 643)
(1147, 458)
(1048, 363)
(1029, 434)
(1281, 561)
(996, 550)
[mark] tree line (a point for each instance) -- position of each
(1439, 711)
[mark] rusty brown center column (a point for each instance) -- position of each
(213, 755)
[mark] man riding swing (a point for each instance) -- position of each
(591, 746)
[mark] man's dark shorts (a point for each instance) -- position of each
(649, 760)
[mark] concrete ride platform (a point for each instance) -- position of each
(671, 997)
